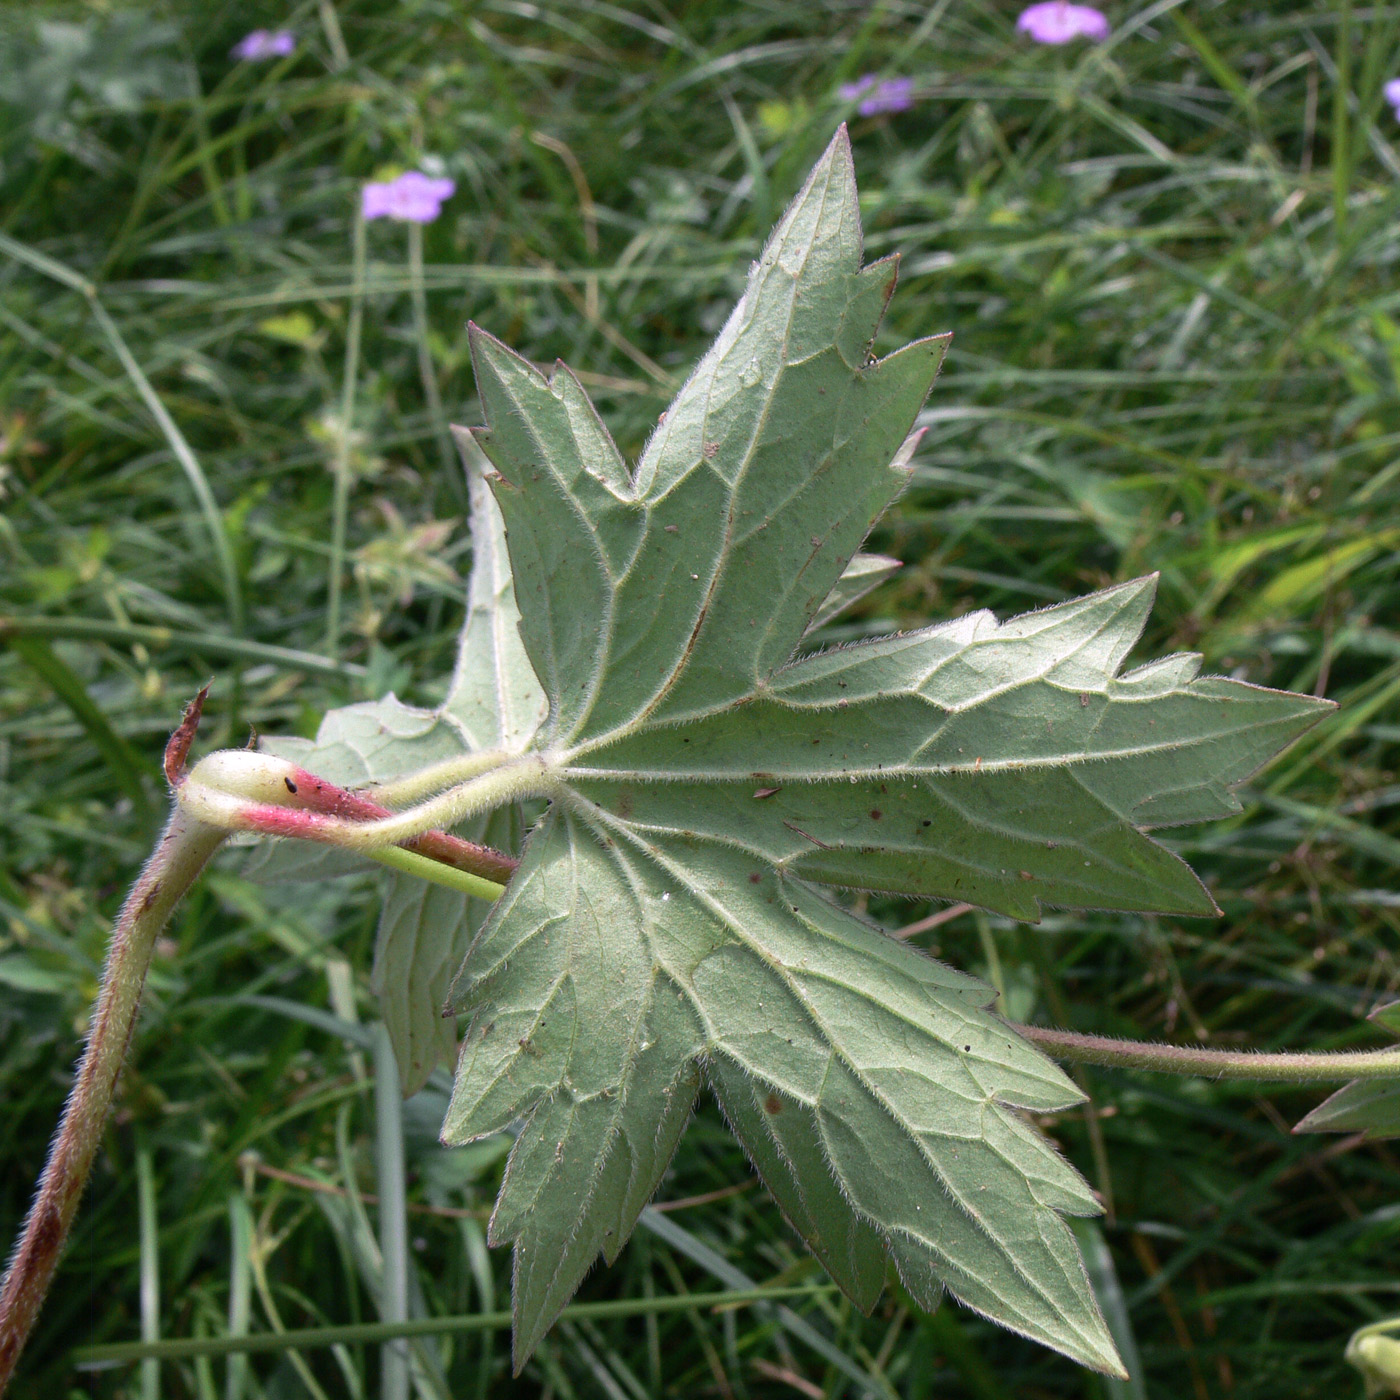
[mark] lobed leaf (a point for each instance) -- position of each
(615, 968)
(1005, 764)
(663, 926)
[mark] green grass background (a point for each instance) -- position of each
(1169, 262)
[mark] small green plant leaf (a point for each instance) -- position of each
(1370, 1106)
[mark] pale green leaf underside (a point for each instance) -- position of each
(494, 701)
(614, 968)
(655, 930)
(1005, 764)
(662, 928)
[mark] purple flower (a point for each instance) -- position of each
(410, 198)
(1057, 22)
(892, 95)
(265, 43)
(1392, 94)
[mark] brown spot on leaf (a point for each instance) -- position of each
(1084, 702)
(773, 1104)
(755, 878)
(875, 814)
(709, 449)
(623, 805)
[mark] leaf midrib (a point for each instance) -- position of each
(723, 555)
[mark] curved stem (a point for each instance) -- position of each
(311, 793)
(436, 873)
(229, 789)
(182, 853)
(340, 488)
(437, 777)
(1319, 1068)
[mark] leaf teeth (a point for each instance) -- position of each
(780, 1136)
(532, 417)
(494, 695)
(975, 1218)
(820, 233)
(864, 573)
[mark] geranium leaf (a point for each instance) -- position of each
(664, 927)
(662, 923)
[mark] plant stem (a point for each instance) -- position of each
(242, 790)
(437, 777)
(107, 1353)
(436, 873)
(189, 643)
(427, 370)
(1318, 1068)
(340, 493)
(185, 847)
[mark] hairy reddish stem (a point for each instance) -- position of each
(184, 848)
(313, 796)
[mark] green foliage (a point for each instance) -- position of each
(660, 926)
(1170, 358)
